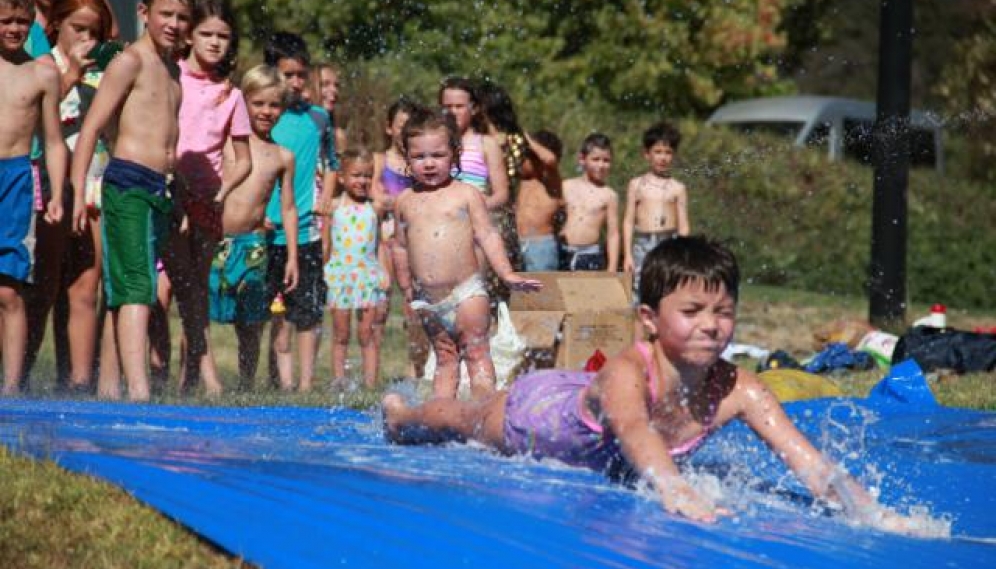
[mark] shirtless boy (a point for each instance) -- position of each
(30, 95)
(539, 200)
(140, 90)
(440, 220)
(238, 285)
(656, 203)
(591, 205)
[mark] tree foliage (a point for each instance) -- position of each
(678, 56)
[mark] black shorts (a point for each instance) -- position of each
(306, 303)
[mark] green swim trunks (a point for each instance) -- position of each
(135, 222)
(237, 284)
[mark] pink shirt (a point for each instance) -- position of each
(211, 112)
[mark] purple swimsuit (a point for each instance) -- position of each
(394, 182)
(544, 419)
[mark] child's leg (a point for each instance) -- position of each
(307, 351)
(446, 379)
(82, 301)
(39, 296)
(418, 343)
(249, 337)
(190, 259)
(340, 342)
(132, 324)
(159, 336)
(281, 359)
(369, 346)
(472, 324)
(109, 374)
(15, 334)
(445, 419)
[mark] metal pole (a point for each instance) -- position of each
(887, 283)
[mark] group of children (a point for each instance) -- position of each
(240, 192)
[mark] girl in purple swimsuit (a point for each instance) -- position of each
(650, 402)
(391, 177)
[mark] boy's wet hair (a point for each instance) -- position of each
(424, 120)
(593, 141)
(683, 260)
(662, 132)
(263, 77)
(550, 141)
(200, 11)
(286, 45)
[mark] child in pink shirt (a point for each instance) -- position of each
(212, 113)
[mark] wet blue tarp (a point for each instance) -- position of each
(299, 487)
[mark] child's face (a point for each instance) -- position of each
(596, 165)
(210, 40)
(264, 108)
(394, 129)
(357, 179)
(295, 75)
(693, 325)
(166, 21)
(457, 103)
(328, 87)
(81, 27)
(430, 158)
(659, 157)
(14, 26)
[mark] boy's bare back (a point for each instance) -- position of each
(139, 98)
(439, 230)
(245, 206)
(660, 204)
(25, 84)
(535, 209)
(588, 208)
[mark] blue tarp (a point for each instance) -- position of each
(300, 487)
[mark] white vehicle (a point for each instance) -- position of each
(843, 126)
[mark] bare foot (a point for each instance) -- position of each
(392, 405)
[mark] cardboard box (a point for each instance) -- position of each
(574, 315)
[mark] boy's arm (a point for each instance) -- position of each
(56, 154)
(240, 169)
(497, 176)
(628, 223)
(681, 204)
(762, 412)
(288, 212)
(622, 392)
(114, 88)
(612, 231)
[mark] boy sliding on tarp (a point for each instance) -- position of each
(650, 403)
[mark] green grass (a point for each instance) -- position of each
(51, 518)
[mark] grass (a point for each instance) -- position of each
(51, 518)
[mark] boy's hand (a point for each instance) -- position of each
(518, 282)
(79, 217)
(627, 265)
(53, 212)
(680, 498)
(290, 275)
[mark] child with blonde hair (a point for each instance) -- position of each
(355, 275)
(237, 285)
